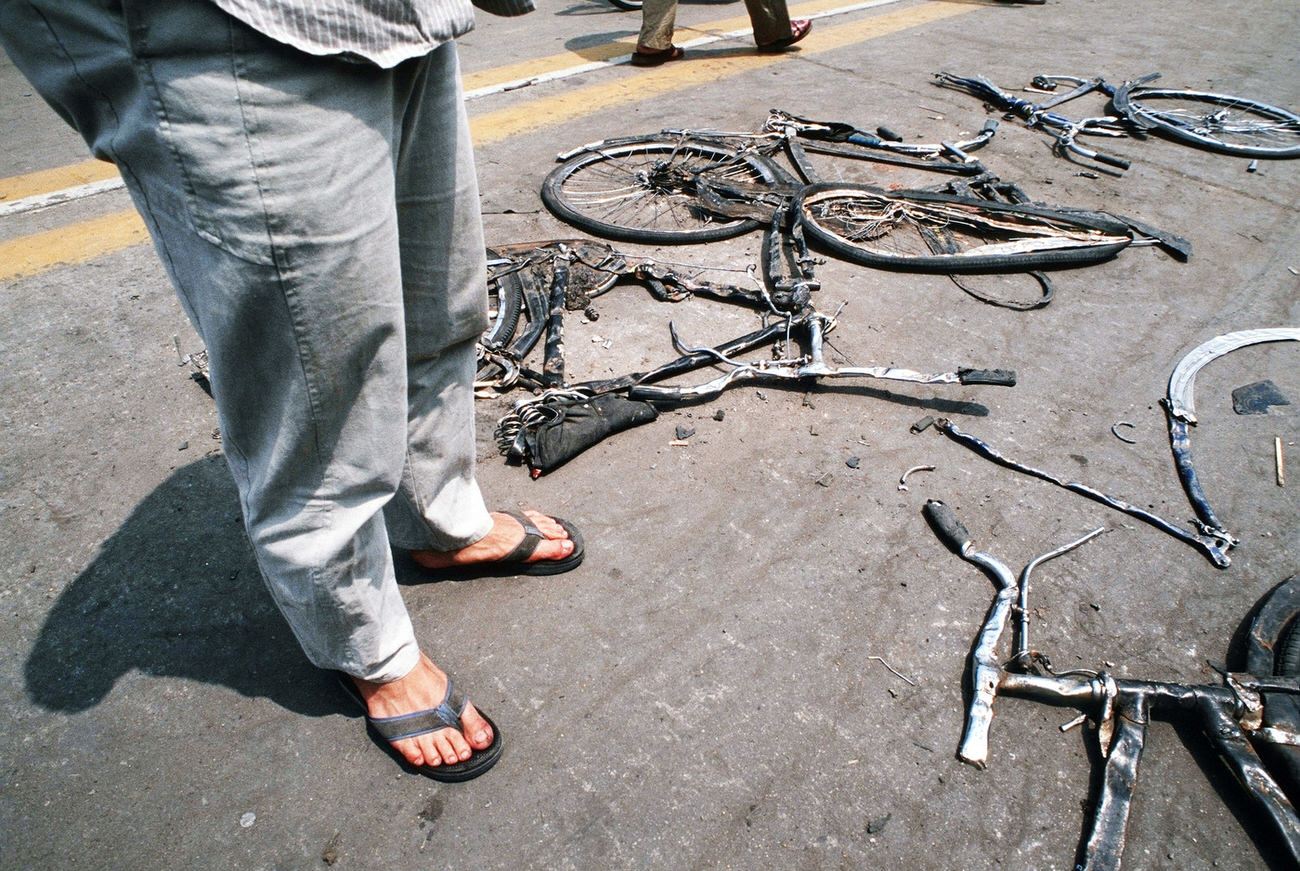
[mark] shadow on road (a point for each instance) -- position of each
(174, 592)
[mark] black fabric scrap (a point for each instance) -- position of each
(578, 426)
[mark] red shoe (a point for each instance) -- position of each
(798, 30)
(649, 57)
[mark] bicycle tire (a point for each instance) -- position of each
(627, 5)
(644, 190)
(1272, 643)
(505, 304)
(1219, 122)
(924, 231)
(1287, 656)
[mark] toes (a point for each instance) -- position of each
(412, 750)
(551, 550)
(446, 741)
(557, 545)
(549, 526)
(446, 746)
(457, 745)
(477, 731)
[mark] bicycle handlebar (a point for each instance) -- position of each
(783, 122)
(945, 523)
(1109, 160)
(1039, 115)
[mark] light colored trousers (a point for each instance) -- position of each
(320, 222)
(769, 18)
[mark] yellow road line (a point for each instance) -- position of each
(699, 69)
(78, 243)
(86, 240)
(18, 187)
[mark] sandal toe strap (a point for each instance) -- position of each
(532, 537)
(446, 715)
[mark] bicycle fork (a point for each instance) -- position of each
(1218, 709)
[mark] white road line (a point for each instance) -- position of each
(42, 201)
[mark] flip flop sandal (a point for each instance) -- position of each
(655, 58)
(514, 563)
(798, 30)
(446, 715)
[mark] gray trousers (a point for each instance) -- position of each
(769, 18)
(320, 222)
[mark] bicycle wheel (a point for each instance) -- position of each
(1215, 121)
(627, 5)
(646, 191)
(921, 231)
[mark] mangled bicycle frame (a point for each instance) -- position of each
(1231, 715)
(789, 323)
(1220, 122)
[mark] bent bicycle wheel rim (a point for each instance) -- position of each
(920, 231)
(643, 191)
(1220, 122)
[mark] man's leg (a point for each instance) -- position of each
(260, 191)
(262, 174)
(770, 20)
(438, 512)
(444, 280)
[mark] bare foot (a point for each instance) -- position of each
(424, 688)
(505, 536)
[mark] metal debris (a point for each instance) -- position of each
(902, 482)
(1115, 431)
(893, 670)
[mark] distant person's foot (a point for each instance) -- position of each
(799, 28)
(653, 57)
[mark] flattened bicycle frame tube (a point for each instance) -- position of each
(811, 364)
(1213, 546)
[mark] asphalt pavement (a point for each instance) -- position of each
(760, 662)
